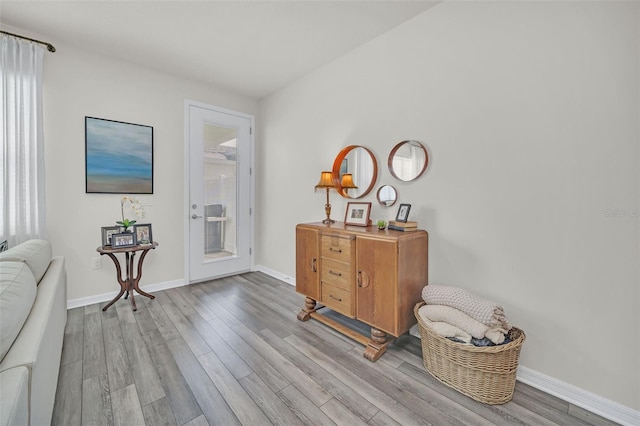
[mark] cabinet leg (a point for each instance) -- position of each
(309, 307)
(377, 345)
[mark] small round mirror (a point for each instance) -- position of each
(387, 195)
(408, 160)
(355, 171)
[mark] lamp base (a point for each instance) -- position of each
(327, 210)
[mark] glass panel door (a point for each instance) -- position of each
(220, 225)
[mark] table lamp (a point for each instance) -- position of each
(347, 182)
(326, 181)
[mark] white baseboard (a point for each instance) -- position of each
(579, 397)
(105, 297)
(275, 274)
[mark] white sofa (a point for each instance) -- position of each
(33, 314)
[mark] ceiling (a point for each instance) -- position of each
(249, 47)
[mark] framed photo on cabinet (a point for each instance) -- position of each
(403, 212)
(357, 214)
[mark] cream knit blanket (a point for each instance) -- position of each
(484, 311)
(447, 314)
(444, 329)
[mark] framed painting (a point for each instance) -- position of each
(118, 157)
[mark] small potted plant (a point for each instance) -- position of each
(382, 224)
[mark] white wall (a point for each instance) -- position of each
(78, 84)
(530, 115)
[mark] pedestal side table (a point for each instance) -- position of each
(130, 283)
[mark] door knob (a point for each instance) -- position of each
(195, 216)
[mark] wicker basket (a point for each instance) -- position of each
(486, 374)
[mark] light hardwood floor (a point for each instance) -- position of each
(231, 351)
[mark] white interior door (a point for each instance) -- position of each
(220, 225)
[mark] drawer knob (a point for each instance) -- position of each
(337, 274)
(335, 298)
(335, 250)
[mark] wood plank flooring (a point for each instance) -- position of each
(231, 352)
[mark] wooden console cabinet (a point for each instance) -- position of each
(373, 276)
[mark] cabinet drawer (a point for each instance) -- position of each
(336, 247)
(337, 274)
(337, 299)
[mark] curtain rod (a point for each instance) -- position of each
(50, 47)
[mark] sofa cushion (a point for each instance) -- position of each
(39, 344)
(35, 253)
(14, 396)
(17, 294)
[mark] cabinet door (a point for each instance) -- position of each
(376, 283)
(307, 262)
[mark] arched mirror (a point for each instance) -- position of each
(387, 195)
(408, 160)
(360, 163)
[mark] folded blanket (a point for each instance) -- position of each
(444, 329)
(484, 311)
(487, 342)
(463, 321)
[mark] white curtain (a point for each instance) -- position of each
(22, 212)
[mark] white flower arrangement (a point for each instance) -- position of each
(136, 208)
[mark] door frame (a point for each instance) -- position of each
(188, 103)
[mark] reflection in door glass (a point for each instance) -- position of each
(219, 191)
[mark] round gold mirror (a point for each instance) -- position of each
(387, 195)
(408, 160)
(355, 171)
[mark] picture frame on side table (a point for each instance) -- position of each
(357, 214)
(143, 233)
(403, 213)
(107, 233)
(126, 239)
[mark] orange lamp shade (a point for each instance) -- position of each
(347, 181)
(326, 180)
